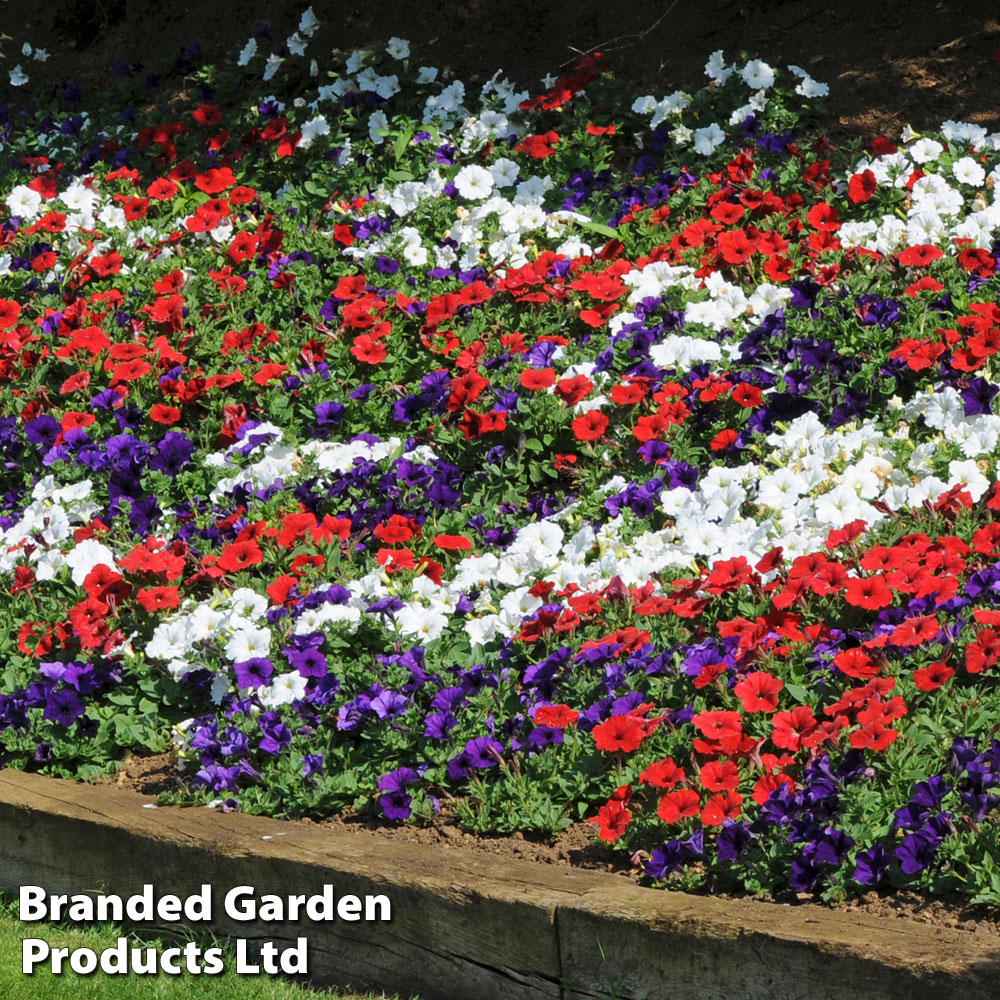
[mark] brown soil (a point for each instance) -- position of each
(887, 64)
(576, 847)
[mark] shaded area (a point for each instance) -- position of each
(887, 64)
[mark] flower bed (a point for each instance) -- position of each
(541, 457)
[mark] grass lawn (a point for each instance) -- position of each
(43, 984)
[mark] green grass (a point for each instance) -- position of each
(42, 985)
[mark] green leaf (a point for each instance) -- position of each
(402, 142)
(600, 228)
(797, 692)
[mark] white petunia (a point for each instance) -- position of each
(708, 139)
(757, 75)
(421, 623)
(308, 23)
(716, 68)
(23, 203)
(311, 129)
(504, 172)
(248, 643)
(283, 690)
(85, 556)
(925, 150)
(474, 182)
(968, 171)
(377, 122)
(398, 48)
(247, 52)
(271, 67)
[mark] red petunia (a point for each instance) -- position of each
(269, 372)
(611, 819)
(74, 383)
(722, 727)
(240, 555)
(9, 313)
(678, 805)
(768, 783)
(791, 728)
(855, 663)
(452, 543)
(215, 180)
(719, 776)
(932, 677)
(539, 146)
(620, 732)
(161, 414)
(572, 390)
(868, 592)
(748, 396)
(242, 195)
(662, 774)
(159, 598)
(537, 378)
(862, 186)
(915, 631)
(982, 653)
(759, 692)
(919, 256)
(590, 426)
(162, 190)
(208, 114)
(726, 805)
(724, 439)
(365, 348)
(557, 716)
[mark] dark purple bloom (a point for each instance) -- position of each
(277, 735)
(438, 725)
(544, 736)
(172, 454)
(312, 763)
(63, 706)
(871, 865)
(43, 431)
(253, 673)
(389, 704)
(916, 852)
(732, 839)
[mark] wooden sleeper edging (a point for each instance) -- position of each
(468, 926)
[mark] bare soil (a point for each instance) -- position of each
(887, 63)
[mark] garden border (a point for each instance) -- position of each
(466, 924)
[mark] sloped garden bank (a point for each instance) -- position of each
(519, 459)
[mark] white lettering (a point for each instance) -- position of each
(31, 903)
(243, 967)
(83, 961)
(33, 951)
(237, 906)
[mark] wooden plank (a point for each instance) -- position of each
(468, 924)
(623, 942)
(458, 930)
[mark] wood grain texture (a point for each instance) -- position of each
(469, 925)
